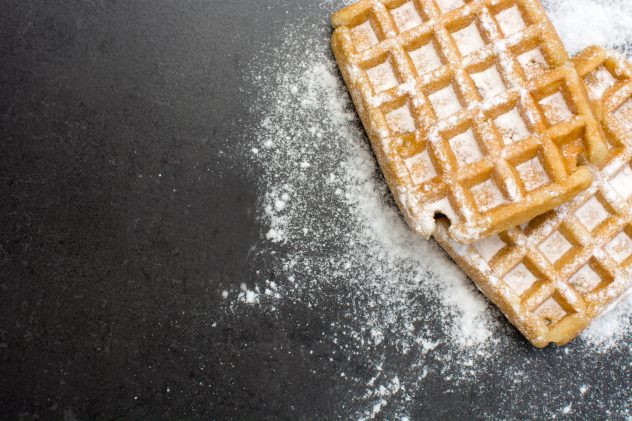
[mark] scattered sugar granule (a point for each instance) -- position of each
(337, 244)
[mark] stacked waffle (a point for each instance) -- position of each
(515, 157)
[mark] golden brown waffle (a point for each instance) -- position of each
(554, 275)
(467, 105)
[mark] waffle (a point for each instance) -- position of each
(466, 104)
(554, 275)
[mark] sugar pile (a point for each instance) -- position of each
(585, 22)
(334, 235)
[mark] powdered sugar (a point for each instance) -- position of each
(425, 58)
(420, 167)
(307, 116)
(333, 233)
(468, 39)
(624, 114)
(489, 247)
(401, 120)
(406, 16)
(511, 126)
(510, 20)
(598, 82)
(488, 195)
(555, 108)
(489, 83)
(445, 102)
(622, 182)
(447, 5)
(611, 328)
(364, 34)
(532, 174)
(465, 148)
(533, 62)
(554, 247)
(620, 248)
(382, 76)
(581, 23)
(591, 214)
(520, 279)
(586, 279)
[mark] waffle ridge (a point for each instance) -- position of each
(552, 276)
(467, 116)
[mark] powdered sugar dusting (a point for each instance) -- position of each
(603, 22)
(554, 247)
(308, 116)
(532, 174)
(612, 327)
(511, 20)
(336, 240)
(488, 247)
(445, 102)
(406, 16)
(448, 5)
(364, 34)
(511, 126)
(401, 120)
(465, 148)
(556, 108)
(420, 167)
(382, 76)
(468, 39)
(425, 58)
(598, 82)
(533, 62)
(489, 82)
(520, 279)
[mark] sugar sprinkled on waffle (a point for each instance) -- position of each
(554, 275)
(488, 96)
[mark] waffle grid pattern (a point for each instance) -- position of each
(552, 276)
(467, 119)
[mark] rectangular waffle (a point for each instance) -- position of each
(554, 275)
(466, 104)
